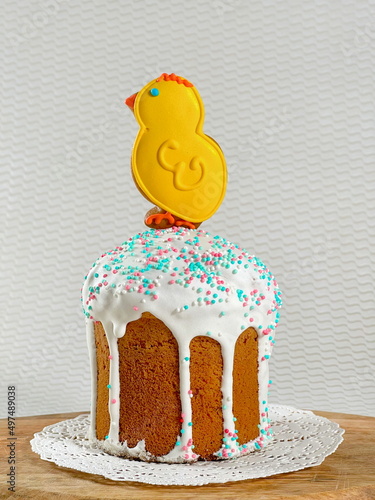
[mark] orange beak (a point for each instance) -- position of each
(130, 101)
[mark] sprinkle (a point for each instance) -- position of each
(187, 358)
(110, 357)
(113, 401)
(135, 308)
(109, 386)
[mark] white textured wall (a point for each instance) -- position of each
(289, 94)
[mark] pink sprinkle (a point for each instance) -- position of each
(115, 271)
(182, 415)
(190, 391)
(186, 455)
(113, 401)
(105, 275)
(171, 282)
(251, 320)
(110, 357)
(156, 297)
(185, 448)
(135, 308)
(232, 450)
(194, 455)
(226, 430)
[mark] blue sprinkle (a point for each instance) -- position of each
(154, 92)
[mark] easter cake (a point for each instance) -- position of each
(180, 323)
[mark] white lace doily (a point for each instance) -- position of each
(301, 439)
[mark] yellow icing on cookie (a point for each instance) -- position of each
(174, 164)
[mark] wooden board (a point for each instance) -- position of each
(347, 474)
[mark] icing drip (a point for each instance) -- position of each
(114, 381)
(227, 349)
(184, 277)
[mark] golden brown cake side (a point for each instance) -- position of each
(206, 369)
(102, 362)
(150, 407)
(245, 386)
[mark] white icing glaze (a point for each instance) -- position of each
(172, 273)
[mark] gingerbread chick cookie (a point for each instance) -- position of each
(174, 164)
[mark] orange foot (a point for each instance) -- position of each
(185, 223)
(156, 220)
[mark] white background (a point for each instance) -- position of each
(289, 94)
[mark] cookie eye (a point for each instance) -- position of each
(154, 92)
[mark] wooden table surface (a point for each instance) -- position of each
(347, 474)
